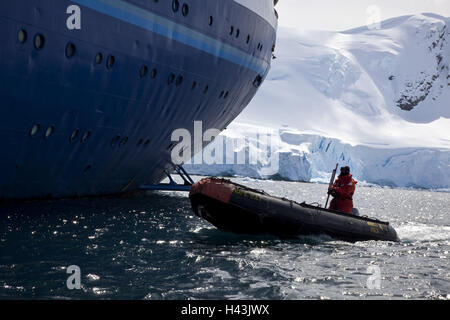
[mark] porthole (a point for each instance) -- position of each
(147, 142)
(35, 129)
(226, 95)
(39, 41)
(144, 71)
(257, 82)
(49, 131)
(98, 58)
(185, 10)
(206, 89)
(221, 94)
(211, 20)
(110, 62)
(171, 78)
(22, 36)
(70, 50)
(175, 5)
(179, 80)
(194, 84)
(114, 141)
(85, 136)
(260, 48)
(87, 168)
(237, 33)
(74, 135)
(140, 142)
(248, 38)
(231, 30)
(124, 141)
(154, 73)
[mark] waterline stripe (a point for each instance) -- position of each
(147, 20)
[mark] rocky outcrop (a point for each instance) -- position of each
(432, 81)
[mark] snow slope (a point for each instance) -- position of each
(377, 100)
(338, 84)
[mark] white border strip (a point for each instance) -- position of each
(263, 8)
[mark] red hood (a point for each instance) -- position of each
(346, 179)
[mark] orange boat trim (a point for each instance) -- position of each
(214, 188)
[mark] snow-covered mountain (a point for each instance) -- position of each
(380, 98)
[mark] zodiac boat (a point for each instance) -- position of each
(236, 208)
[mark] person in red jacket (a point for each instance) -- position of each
(342, 192)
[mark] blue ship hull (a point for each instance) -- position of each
(91, 111)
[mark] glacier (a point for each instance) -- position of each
(311, 158)
(376, 100)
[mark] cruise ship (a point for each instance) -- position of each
(91, 90)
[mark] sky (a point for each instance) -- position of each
(339, 15)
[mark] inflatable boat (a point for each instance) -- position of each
(239, 209)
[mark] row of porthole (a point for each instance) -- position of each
(144, 70)
(36, 128)
(118, 140)
(123, 141)
(110, 61)
(176, 7)
(185, 12)
(179, 80)
(171, 79)
(39, 39)
(224, 94)
(71, 49)
(237, 34)
(75, 134)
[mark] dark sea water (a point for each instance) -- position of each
(151, 246)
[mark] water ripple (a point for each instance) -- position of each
(151, 246)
